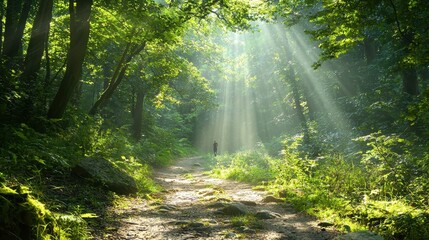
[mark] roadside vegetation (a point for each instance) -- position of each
(362, 187)
(38, 169)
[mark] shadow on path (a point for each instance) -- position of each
(190, 205)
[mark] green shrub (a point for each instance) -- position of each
(248, 166)
(26, 151)
(340, 176)
(141, 172)
(406, 226)
(73, 227)
(389, 165)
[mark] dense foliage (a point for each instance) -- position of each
(109, 80)
(347, 141)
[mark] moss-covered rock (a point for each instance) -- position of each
(23, 217)
(106, 173)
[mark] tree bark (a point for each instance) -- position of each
(369, 50)
(298, 107)
(1, 25)
(47, 80)
(410, 81)
(424, 76)
(17, 12)
(138, 114)
(117, 77)
(16, 15)
(79, 35)
(36, 47)
(311, 102)
(108, 93)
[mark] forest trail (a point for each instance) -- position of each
(195, 205)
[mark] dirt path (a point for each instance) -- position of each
(197, 206)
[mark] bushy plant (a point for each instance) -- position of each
(342, 177)
(417, 115)
(292, 168)
(388, 163)
(73, 227)
(111, 143)
(141, 172)
(419, 184)
(25, 149)
(249, 166)
(406, 226)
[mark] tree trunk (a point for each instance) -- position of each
(16, 16)
(298, 106)
(117, 77)
(17, 12)
(369, 50)
(47, 80)
(4, 83)
(33, 59)
(138, 115)
(79, 34)
(410, 81)
(1, 25)
(424, 76)
(261, 117)
(371, 78)
(108, 93)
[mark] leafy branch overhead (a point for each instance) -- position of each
(341, 25)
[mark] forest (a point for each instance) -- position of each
(324, 103)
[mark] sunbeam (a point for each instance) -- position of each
(233, 123)
(257, 95)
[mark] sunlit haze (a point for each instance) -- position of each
(255, 98)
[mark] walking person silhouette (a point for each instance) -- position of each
(215, 148)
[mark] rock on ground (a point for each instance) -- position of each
(107, 174)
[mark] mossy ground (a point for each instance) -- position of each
(72, 207)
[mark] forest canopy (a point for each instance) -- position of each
(335, 91)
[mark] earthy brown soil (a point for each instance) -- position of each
(189, 208)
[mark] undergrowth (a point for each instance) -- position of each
(252, 166)
(377, 185)
(42, 162)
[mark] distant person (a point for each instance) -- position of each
(215, 148)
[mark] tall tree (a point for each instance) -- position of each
(79, 11)
(138, 114)
(1, 24)
(17, 12)
(36, 46)
(16, 15)
(298, 103)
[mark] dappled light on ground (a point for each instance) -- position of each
(190, 207)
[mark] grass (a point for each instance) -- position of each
(42, 163)
(334, 189)
(248, 220)
(249, 166)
